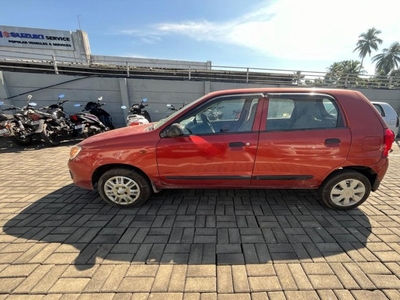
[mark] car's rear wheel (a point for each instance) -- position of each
(123, 187)
(345, 190)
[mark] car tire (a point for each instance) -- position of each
(124, 188)
(345, 190)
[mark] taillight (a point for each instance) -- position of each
(387, 142)
(73, 118)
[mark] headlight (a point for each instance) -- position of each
(74, 152)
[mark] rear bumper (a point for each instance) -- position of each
(380, 168)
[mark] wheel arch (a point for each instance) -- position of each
(102, 169)
(367, 172)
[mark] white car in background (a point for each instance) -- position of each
(389, 115)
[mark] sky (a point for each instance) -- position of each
(306, 35)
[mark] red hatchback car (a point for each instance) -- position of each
(265, 138)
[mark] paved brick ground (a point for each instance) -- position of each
(61, 242)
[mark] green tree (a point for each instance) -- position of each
(344, 73)
(367, 42)
(388, 60)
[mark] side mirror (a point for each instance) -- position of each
(29, 97)
(175, 130)
(61, 96)
(171, 106)
(77, 104)
(123, 107)
(100, 98)
(1, 103)
(144, 99)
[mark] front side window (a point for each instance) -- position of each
(301, 111)
(221, 115)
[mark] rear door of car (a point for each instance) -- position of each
(302, 139)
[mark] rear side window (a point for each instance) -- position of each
(302, 111)
(380, 109)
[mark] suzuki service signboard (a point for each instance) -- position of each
(35, 38)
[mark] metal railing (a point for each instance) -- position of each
(182, 70)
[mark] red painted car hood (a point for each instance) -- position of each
(119, 133)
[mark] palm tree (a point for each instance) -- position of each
(344, 72)
(367, 41)
(388, 60)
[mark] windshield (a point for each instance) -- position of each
(186, 107)
(165, 120)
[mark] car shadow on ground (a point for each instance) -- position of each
(192, 227)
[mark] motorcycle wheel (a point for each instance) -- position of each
(22, 141)
(18, 138)
(49, 135)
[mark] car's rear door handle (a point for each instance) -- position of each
(333, 141)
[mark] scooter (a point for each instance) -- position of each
(95, 109)
(137, 114)
(86, 124)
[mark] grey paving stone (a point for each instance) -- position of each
(58, 241)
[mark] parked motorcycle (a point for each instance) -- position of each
(25, 124)
(95, 109)
(59, 126)
(137, 114)
(86, 124)
(6, 121)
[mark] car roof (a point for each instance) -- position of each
(266, 90)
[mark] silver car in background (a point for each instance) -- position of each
(389, 115)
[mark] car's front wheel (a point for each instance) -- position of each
(123, 187)
(345, 190)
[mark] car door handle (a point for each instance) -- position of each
(236, 144)
(332, 141)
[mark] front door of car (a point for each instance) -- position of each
(302, 139)
(216, 150)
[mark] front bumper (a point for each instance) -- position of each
(80, 173)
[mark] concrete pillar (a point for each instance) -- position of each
(3, 89)
(207, 87)
(84, 39)
(123, 86)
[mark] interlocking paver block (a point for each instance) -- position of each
(224, 279)
(201, 284)
(58, 241)
(178, 278)
(301, 295)
(300, 277)
(162, 278)
(376, 295)
(49, 279)
(69, 285)
(240, 279)
(325, 282)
